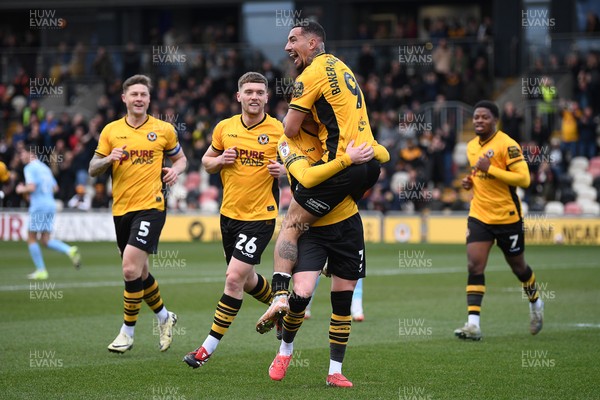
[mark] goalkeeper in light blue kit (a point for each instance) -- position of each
(40, 185)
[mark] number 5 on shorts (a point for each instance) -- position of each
(144, 225)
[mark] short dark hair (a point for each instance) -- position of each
(490, 105)
(252, 77)
(312, 27)
(137, 79)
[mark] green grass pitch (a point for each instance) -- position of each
(53, 334)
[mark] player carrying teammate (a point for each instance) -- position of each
(327, 90)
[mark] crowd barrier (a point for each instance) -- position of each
(389, 228)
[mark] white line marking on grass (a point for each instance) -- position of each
(81, 285)
(587, 325)
(374, 272)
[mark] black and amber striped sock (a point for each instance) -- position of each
(295, 317)
(340, 324)
(529, 286)
(262, 291)
(225, 313)
(152, 294)
(475, 292)
(132, 299)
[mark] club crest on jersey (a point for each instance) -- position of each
(298, 89)
(490, 153)
(284, 149)
(263, 139)
(151, 136)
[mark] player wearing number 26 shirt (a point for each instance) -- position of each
(244, 152)
(497, 168)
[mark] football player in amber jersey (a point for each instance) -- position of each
(337, 237)
(243, 151)
(326, 91)
(133, 148)
(497, 168)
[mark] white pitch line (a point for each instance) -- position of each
(587, 325)
(378, 272)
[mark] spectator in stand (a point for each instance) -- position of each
(100, 199)
(80, 201)
(586, 126)
(367, 62)
(103, 66)
(442, 57)
(546, 107)
(592, 23)
(540, 134)
(131, 61)
(412, 154)
(510, 121)
(569, 133)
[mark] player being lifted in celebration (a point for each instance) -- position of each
(498, 167)
(243, 151)
(40, 185)
(134, 148)
(327, 89)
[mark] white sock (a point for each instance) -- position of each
(210, 344)
(162, 315)
(535, 305)
(286, 349)
(335, 367)
(473, 319)
(128, 330)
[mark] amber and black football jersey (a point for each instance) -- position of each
(328, 89)
(494, 202)
(298, 154)
(250, 193)
(137, 178)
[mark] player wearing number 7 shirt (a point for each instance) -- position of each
(134, 149)
(497, 168)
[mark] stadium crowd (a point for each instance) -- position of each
(194, 95)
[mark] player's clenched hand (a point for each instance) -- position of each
(117, 154)
(275, 169)
(360, 154)
(483, 164)
(228, 156)
(467, 182)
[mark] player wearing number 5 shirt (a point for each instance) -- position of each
(133, 148)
